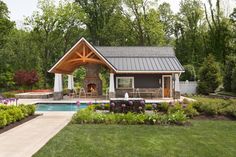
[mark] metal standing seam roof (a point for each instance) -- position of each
(141, 58)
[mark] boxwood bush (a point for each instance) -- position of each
(11, 114)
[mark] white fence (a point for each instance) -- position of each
(188, 87)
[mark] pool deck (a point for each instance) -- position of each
(26, 139)
(91, 100)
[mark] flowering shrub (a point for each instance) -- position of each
(88, 116)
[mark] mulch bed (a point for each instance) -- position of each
(13, 125)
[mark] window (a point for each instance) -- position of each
(124, 82)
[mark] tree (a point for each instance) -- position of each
(6, 75)
(146, 23)
(5, 24)
(189, 33)
(189, 73)
(233, 84)
(219, 32)
(97, 15)
(167, 18)
(209, 75)
(230, 64)
(233, 31)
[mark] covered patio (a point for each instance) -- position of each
(82, 54)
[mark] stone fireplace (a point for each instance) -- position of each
(92, 82)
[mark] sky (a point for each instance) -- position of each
(19, 9)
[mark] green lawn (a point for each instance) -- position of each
(203, 139)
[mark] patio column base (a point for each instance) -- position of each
(176, 95)
(112, 95)
(57, 95)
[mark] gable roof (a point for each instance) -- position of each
(57, 68)
(131, 59)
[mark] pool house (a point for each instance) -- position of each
(140, 71)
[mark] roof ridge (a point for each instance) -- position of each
(167, 56)
(138, 46)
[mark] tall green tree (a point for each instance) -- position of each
(230, 65)
(5, 24)
(219, 32)
(145, 21)
(98, 14)
(189, 32)
(167, 18)
(233, 31)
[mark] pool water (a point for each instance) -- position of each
(59, 107)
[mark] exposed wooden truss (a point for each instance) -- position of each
(85, 55)
(80, 55)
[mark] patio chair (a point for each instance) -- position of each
(137, 93)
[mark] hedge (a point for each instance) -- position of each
(11, 114)
(89, 116)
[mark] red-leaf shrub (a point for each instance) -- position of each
(26, 78)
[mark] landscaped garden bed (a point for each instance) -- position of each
(11, 116)
(89, 116)
(159, 114)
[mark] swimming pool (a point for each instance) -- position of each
(59, 107)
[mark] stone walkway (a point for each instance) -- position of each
(26, 139)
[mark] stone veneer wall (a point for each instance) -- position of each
(92, 76)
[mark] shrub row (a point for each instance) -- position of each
(11, 114)
(211, 108)
(88, 116)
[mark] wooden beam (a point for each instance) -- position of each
(86, 60)
(90, 53)
(84, 52)
(78, 54)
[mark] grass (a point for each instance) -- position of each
(203, 138)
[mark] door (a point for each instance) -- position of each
(166, 86)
